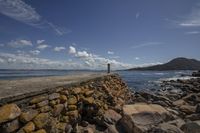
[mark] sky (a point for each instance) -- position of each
(88, 34)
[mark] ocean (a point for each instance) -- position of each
(136, 80)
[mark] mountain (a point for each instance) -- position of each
(175, 64)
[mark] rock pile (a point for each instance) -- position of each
(181, 98)
(86, 107)
(106, 105)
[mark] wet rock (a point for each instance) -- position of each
(39, 99)
(191, 127)
(11, 126)
(28, 115)
(9, 112)
(29, 127)
(140, 117)
(54, 96)
(57, 109)
(41, 120)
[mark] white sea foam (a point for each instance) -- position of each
(175, 78)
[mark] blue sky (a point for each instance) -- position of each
(77, 34)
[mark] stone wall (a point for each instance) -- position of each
(65, 108)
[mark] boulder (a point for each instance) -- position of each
(72, 107)
(11, 126)
(9, 112)
(165, 128)
(39, 99)
(41, 120)
(40, 131)
(45, 109)
(193, 117)
(72, 100)
(29, 127)
(28, 115)
(57, 109)
(76, 91)
(111, 129)
(89, 93)
(112, 115)
(191, 127)
(54, 96)
(198, 108)
(178, 122)
(63, 98)
(188, 109)
(140, 117)
(43, 103)
(180, 102)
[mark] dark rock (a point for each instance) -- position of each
(11, 126)
(198, 108)
(165, 128)
(191, 127)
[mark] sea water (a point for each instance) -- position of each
(136, 80)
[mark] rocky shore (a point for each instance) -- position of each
(106, 105)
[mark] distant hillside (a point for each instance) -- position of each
(175, 64)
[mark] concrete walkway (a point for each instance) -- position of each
(13, 88)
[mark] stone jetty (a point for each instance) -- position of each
(101, 103)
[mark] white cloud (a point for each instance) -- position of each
(43, 46)
(15, 61)
(192, 19)
(137, 58)
(1, 45)
(147, 44)
(72, 50)
(35, 52)
(137, 15)
(110, 52)
(19, 43)
(20, 11)
(57, 49)
(40, 41)
(192, 32)
(94, 61)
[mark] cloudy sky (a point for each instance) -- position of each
(88, 34)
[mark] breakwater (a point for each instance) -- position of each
(63, 108)
(98, 103)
